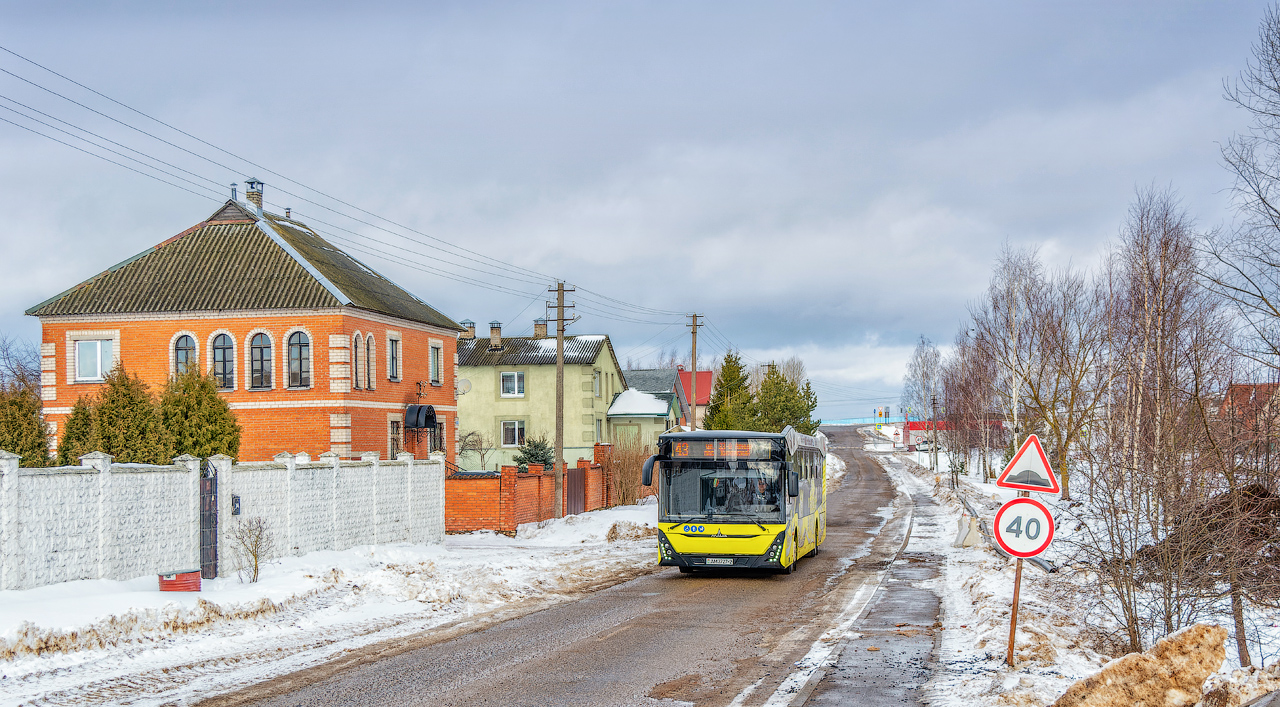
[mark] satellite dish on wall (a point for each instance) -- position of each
(464, 386)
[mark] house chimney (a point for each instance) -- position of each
(470, 333)
(233, 190)
(495, 336)
(253, 192)
(288, 212)
(539, 328)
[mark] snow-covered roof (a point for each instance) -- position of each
(639, 404)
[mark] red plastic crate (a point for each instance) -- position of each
(182, 581)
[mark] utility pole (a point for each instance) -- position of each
(933, 448)
(560, 306)
(693, 402)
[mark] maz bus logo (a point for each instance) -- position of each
(695, 529)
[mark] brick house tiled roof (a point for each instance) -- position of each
(235, 260)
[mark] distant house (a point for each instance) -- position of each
(313, 350)
(512, 390)
(685, 392)
(1251, 407)
(648, 407)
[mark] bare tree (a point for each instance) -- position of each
(477, 443)
(253, 543)
(19, 365)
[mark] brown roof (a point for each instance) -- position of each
(234, 261)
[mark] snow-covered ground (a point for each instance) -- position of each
(1057, 621)
(108, 642)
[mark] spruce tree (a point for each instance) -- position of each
(128, 422)
(22, 428)
(732, 405)
(199, 421)
(79, 435)
(535, 450)
(781, 402)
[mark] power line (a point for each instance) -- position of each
(489, 259)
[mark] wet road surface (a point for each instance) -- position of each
(668, 638)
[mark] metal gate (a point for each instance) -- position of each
(575, 479)
(209, 522)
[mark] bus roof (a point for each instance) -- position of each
(793, 438)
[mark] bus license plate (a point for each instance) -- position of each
(719, 560)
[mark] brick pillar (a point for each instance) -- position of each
(507, 481)
(9, 520)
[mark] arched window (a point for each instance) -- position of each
(184, 354)
(224, 361)
(355, 361)
(370, 370)
(299, 360)
(260, 361)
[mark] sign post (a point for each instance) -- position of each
(1024, 526)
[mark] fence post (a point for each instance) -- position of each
(435, 496)
(102, 462)
(9, 519)
(192, 465)
(407, 458)
(373, 457)
(332, 459)
(289, 463)
(222, 469)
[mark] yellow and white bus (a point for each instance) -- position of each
(729, 499)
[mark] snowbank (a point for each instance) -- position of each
(99, 642)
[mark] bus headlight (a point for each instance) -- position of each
(774, 553)
(664, 547)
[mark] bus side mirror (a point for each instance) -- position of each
(793, 484)
(646, 474)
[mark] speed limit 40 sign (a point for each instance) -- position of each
(1024, 527)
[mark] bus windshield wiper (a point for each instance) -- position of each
(754, 518)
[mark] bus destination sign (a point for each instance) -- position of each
(723, 449)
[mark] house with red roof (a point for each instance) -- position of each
(685, 392)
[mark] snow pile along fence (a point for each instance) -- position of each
(102, 520)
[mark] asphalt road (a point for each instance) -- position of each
(707, 639)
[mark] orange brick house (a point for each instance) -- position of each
(314, 351)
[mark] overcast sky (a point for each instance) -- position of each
(831, 180)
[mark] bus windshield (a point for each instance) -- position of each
(749, 490)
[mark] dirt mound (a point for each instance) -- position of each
(1169, 675)
(626, 530)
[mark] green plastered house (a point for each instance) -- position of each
(648, 407)
(510, 385)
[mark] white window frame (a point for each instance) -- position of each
(395, 356)
(97, 359)
(173, 354)
(270, 360)
(435, 365)
(284, 359)
(519, 427)
(357, 360)
(519, 384)
(371, 362)
(74, 336)
(235, 347)
(595, 382)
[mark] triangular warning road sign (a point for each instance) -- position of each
(1030, 472)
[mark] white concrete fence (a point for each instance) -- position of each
(102, 520)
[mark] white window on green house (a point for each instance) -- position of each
(94, 358)
(599, 431)
(513, 384)
(595, 383)
(437, 365)
(512, 433)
